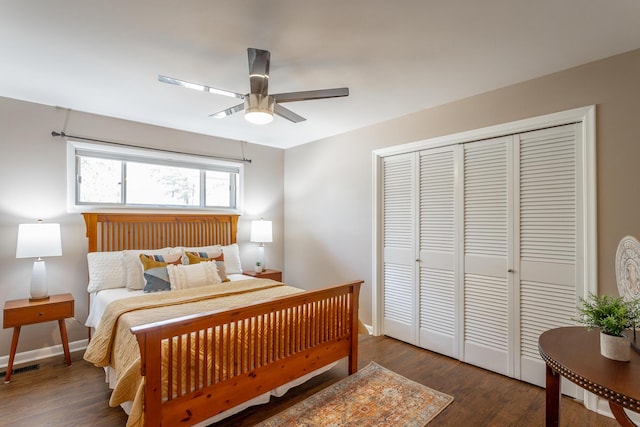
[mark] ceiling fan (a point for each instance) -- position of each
(259, 106)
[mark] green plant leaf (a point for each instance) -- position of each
(612, 315)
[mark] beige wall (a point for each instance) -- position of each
(33, 176)
(328, 184)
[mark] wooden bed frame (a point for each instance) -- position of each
(288, 350)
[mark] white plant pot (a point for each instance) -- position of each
(616, 348)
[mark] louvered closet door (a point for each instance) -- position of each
(399, 207)
(487, 225)
(549, 239)
(437, 220)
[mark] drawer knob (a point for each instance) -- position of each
(40, 314)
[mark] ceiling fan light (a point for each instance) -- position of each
(258, 117)
(258, 109)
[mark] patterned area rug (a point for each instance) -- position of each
(374, 396)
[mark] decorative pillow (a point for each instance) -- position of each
(155, 274)
(198, 257)
(212, 251)
(232, 262)
(133, 268)
(106, 270)
(193, 276)
(222, 271)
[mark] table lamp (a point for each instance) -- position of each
(261, 233)
(36, 241)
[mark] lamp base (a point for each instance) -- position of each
(39, 281)
(259, 268)
(38, 299)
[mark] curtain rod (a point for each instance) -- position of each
(64, 135)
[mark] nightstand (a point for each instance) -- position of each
(266, 274)
(24, 312)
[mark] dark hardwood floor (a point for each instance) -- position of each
(57, 395)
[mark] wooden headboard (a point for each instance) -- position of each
(120, 231)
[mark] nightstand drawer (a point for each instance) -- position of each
(277, 276)
(266, 274)
(37, 313)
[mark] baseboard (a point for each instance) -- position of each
(42, 353)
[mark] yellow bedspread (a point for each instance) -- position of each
(114, 345)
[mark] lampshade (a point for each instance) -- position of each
(261, 231)
(38, 240)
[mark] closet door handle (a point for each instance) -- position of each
(511, 270)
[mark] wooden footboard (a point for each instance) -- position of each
(214, 361)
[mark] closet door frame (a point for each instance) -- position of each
(584, 117)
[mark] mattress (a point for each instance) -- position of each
(98, 301)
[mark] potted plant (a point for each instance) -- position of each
(614, 316)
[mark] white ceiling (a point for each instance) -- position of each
(397, 57)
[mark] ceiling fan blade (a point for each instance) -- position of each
(259, 70)
(287, 114)
(229, 111)
(196, 86)
(311, 94)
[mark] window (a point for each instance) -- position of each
(101, 175)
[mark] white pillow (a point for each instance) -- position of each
(232, 262)
(133, 266)
(106, 270)
(193, 276)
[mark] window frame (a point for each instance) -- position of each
(151, 156)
